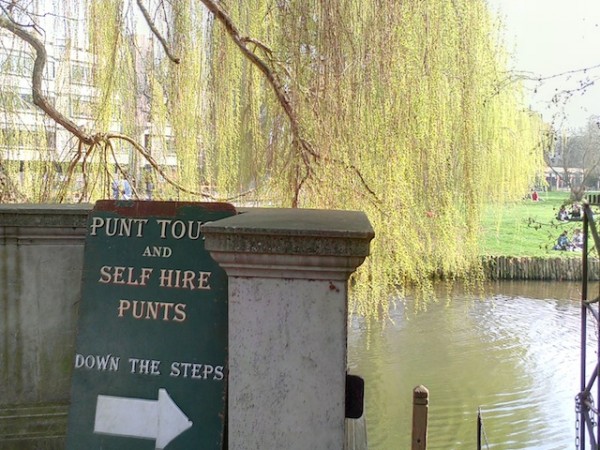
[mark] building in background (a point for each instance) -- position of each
(30, 138)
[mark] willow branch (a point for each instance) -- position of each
(8, 15)
(154, 164)
(8, 189)
(36, 80)
(566, 73)
(269, 74)
(514, 76)
(159, 170)
(258, 44)
(280, 93)
(156, 33)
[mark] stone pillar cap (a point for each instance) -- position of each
(290, 243)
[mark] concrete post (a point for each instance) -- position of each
(288, 272)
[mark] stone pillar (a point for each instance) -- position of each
(288, 272)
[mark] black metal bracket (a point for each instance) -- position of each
(355, 396)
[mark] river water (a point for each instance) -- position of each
(514, 353)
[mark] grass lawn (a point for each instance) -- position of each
(527, 228)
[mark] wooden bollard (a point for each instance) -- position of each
(420, 412)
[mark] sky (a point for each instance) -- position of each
(550, 37)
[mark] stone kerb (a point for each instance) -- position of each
(288, 271)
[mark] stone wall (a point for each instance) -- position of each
(41, 259)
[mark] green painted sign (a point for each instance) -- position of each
(150, 365)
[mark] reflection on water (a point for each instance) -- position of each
(514, 353)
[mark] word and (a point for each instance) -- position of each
(161, 252)
(152, 367)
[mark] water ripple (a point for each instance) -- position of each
(515, 354)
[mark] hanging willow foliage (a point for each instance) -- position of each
(392, 108)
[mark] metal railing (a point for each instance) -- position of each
(586, 412)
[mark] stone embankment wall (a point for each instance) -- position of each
(541, 269)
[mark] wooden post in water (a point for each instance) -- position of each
(420, 411)
(479, 428)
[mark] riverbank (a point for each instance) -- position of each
(526, 228)
(538, 268)
(527, 231)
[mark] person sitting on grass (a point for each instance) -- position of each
(562, 215)
(577, 241)
(562, 243)
(576, 212)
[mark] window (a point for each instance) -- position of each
(50, 70)
(17, 64)
(81, 74)
(82, 107)
(14, 101)
(13, 138)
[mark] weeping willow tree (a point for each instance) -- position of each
(393, 108)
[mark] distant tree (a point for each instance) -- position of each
(577, 155)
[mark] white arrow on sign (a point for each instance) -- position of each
(147, 419)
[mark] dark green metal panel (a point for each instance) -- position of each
(150, 366)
